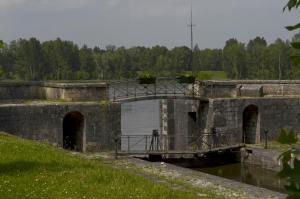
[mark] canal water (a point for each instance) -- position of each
(249, 174)
(140, 118)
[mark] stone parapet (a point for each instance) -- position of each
(65, 91)
(249, 88)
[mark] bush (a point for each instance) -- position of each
(211, 75)
(146, 77)
(287, 136)
(186, 77)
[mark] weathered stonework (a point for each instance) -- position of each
(182, 127)
(267, 159)
(44, 122)
(53, 91)
(273, 114)
(240, 109)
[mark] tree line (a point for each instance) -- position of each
(30, 59)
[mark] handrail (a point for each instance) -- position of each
(163, 86)
(148, 143)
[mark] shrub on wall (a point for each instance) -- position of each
(211, 75)
(146, 77)
(186, 77)
(287, 136)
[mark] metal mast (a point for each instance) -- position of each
(191, 26)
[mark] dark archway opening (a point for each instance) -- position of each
(250, 124)
(73, 126)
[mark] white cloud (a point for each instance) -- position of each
(9, 3)
(54, 5)
(112, 3)
(158, 8)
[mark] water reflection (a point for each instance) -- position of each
(249, 174)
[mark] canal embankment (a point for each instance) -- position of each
(222, 187)
(266, 159)
(248, 166)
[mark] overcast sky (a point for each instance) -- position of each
(144, 22)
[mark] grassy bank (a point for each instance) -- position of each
(34, 170)
(211, 75)
(274, 145)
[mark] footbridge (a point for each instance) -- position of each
(160, 145)
(162, 88)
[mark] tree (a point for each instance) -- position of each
(1, 44)
(294, 4)
(234, 55)
(87, 63)
(291, 164)
(29, 59)
(278, 63)
(256, 58)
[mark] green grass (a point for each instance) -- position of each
(274, 145)
(35, 170)
(211, 75)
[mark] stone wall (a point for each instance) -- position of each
(267, 159)
(182, 128)
(249, 88)
(53, 91)
(45, 122)
(226, 115)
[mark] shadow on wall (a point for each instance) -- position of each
(73, 127)
(250, 124)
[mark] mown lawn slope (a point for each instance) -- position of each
(34, 170)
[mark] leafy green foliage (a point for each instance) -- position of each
(295, 27)
(146, 77)
(234, 58)
(1, 44)
(291, 171)
(287, 136)
(211, 75)
(187, 77)
(31, 59)
(294, 4)
(290, 163)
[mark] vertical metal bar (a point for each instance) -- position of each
(174, 90)
(146, 143)
(193, 90)
(107, 91)
(128, 142)
(114, 94)
(127, 94)
(116, 148)
(155, 88)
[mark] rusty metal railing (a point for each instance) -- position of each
(167, 87)
(165, 143)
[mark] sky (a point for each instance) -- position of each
(145, 22)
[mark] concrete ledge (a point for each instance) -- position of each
(264, 158)
(67, 91)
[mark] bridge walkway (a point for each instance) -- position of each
(173, 152)
(172, 145)
(162, 88)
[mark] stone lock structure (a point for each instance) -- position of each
(83, 117)
(76, 116)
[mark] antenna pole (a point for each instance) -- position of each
(191, 25)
